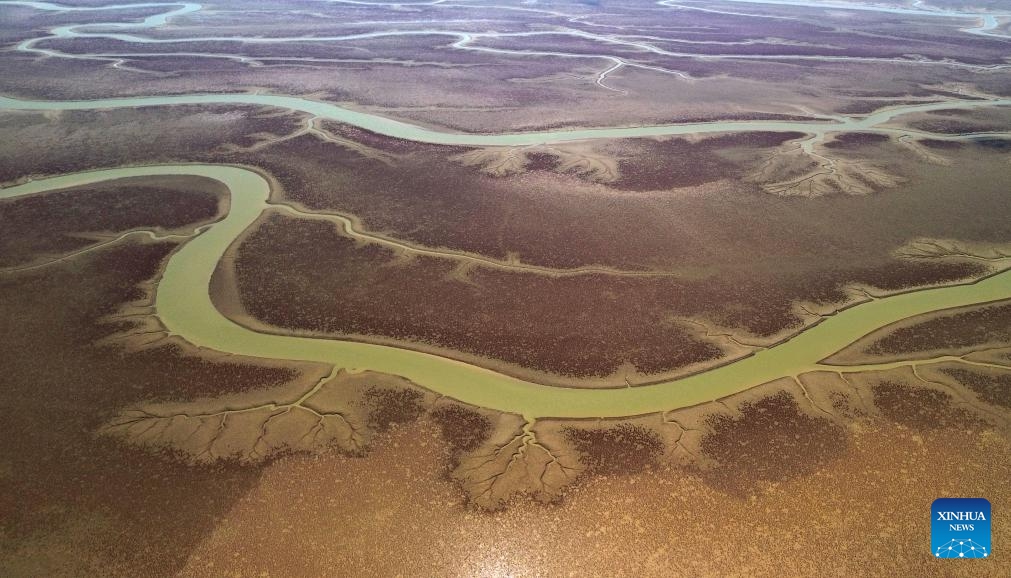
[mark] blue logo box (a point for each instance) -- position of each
(960, 528)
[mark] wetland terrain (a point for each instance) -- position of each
(462, 288)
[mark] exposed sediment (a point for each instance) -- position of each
(777, 431)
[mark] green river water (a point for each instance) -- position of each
(183, 304)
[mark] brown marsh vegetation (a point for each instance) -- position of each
(175, 512)
(771, 440)
(991, 386)
(737, 258)
(586, 326)
(587, 216)
(71, 219)
(73, 503)
(945, 331)
(219, 483)
(305, 276)
(38, 144)
(952, 331)
(955, 121)
(720, 62)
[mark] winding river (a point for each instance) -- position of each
(403, 130)
(988, 23)
(184, 306)
(183, 301)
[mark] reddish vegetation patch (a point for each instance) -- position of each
(943, 145)
(463, 428)
(553, 222)
(995, 143)
(947, 126)
(80, 139)
(541, 162)
(871, 105)
(988, 119)
(988, 324)
(196, 377)
(993, 389)
(86, 505)
(855, 140)
(392, 406)
(300, 275)
(920, 407)
(382, 142)
(650, 165)
(51, 223)
(772, 440)
(905, 274)
(622, 449)
(732, 230)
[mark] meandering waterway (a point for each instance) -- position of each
(183, 301)
(404, 130)
(988, 23)
(184, 306)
